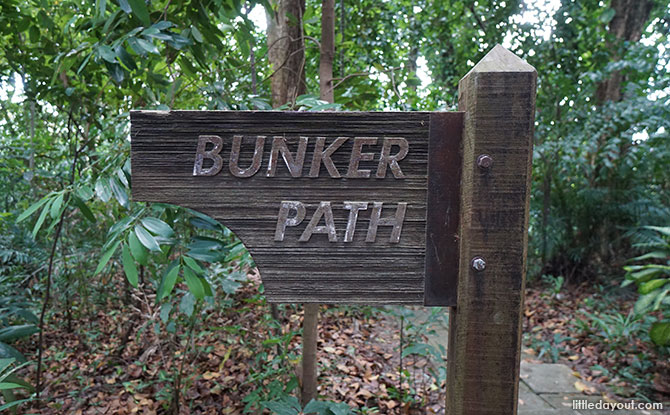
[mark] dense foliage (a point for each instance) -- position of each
(71, 70)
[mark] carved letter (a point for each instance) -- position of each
(324, 210)
(353, 208)
(386, 158)
(235, 170)
(283, 220)
(294, 165)
(213, 154)
(396, 222)
(357, 157)
(321, 155)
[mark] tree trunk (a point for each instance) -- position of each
(327, 51)
(286, 51)
(627, 25)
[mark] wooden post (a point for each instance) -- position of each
(498, 98)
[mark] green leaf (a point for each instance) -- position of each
(7, 351)
(8, 385)
(147, 46)
(107, 53)
(194, 284)
(125, 6)
(101, 5)
(187, 304)
(190, 262)
(644, 303)
(83, 208)
(56, 205)
(665, 230)
(14, 403)
(196, 34)
(103, 190)
(139, 8)
(660, 333)
(17, 332)
(129, 266)
(33, 208)
(286, 406)
(119, 192)
(158, 227)
(146, 238)
(649, 286)
(652, 255)
(137, 249)
(105, 257)
(40, 219)
(168, 281)
(607, 15)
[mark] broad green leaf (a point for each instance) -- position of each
(8, 385)
(101, 6)
(129, 265)
(122, 177)
(56, 205)
(649, 286)
(104, 259)
(207, 255)
(137, 249)
(652, 255)
(194, 284)
(644, 303)
(107, 53)
(665, 230)
(7, 351)
(40, 219)
(162, 25)
(119, 192)
(196, 34)
(146, 238)
(125, 6)
(103, 190)
(147, 46)
(229, 286)
(139, 8)
(84, 209)
(191, 263)
(33, 208)
(168, 281)
(15, 403)
(660, 333)
(286, 406)
(187, 304)
(17, 332)
(158, 227)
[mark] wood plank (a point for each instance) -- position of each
(498, 97)
(319, 270)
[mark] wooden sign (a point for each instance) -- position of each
(404, 208)
(332, 206)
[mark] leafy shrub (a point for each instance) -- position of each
(652, 279)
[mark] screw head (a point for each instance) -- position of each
(478, 263)
(484, 161)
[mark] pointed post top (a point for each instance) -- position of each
(500, 59)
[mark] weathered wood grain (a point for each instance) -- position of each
(498, 97)
(318, 270)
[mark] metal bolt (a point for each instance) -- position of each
(478, 263)
(484, 161)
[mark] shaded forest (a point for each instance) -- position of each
(108, 305)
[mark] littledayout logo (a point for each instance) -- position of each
(583, 404)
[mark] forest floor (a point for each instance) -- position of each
(125, 362)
